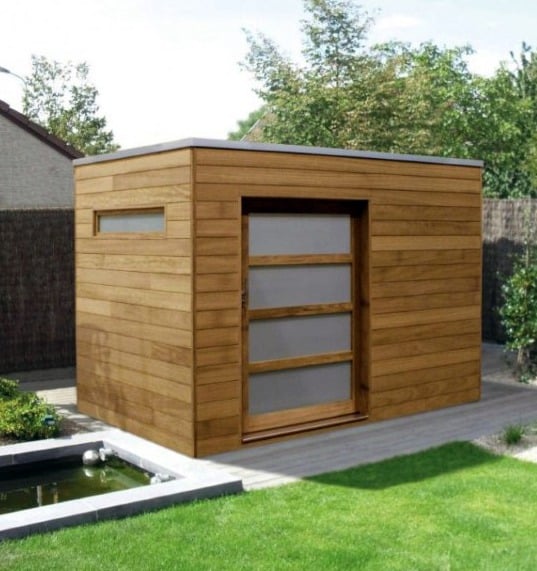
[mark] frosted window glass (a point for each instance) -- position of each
(132, 222)
(283, 286)
(294, 388)
(294, 336)
(299, 234)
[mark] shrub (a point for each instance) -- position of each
(513, 434)
(28, 417)
(519, 312)
(8, 389)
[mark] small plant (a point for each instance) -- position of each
(513, 434)
(24, 415)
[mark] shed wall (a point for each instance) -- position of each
(134, 300)
(425, 275)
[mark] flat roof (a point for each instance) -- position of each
(272, 148)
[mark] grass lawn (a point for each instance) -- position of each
(453, 507)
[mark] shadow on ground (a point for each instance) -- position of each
(411, 468)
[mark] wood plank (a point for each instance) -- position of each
(425, 228)
(179, 228)
(156, 196)
(398, 380)
(217, 227)
(217, 300)
(102, 340)
(420, 302)
(301, 415)
(383, 243)
(217, 246)
(416, 273)
(134, 296)
(405, 348)
(127, 393)
(163, 437)
(217, 337)
(425, 257)
(208, 446)
(84, 230)
(136, 263)
(176, 158)
(230, 192)
(420, 213)
(217, 210)
(215, 427)
(217, 409)
(179, 211)
(137, 379)
(151, 178)
(426, 404)
(423, 391)
(217, 355)
(211, 374)
(176, 320)
(417, 362)
(217, 391)
(153, 367)
(296, 362)
(299, 177)
(217, 318)
(437, 315)
(243, 158)
(299, 259)
(424, 287)
(217, 282)
(429, 331)
(139, 247)
(137, 329)
(141, 412)
(83, 216)
(299, 310)
(158, 282)
(217, 264)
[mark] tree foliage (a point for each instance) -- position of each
(395, 97)
(60, 98)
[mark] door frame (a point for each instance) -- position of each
(333, 412)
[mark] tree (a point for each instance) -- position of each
(247, 126)
(397, 98)
(60, 98)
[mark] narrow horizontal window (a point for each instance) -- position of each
(133, 221)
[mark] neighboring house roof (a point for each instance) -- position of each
(37, 131)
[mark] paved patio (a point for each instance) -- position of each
(503, 402)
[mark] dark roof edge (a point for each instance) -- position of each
(34, 129)
(273, 148)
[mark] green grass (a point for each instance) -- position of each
(453, 507)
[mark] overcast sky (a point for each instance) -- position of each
(169, 69)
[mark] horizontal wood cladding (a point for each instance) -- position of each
(159, 317)
(134, 299)
(241, 159)
(144, 163)
(425, 275)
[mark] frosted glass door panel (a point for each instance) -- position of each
(299, 234)
(295, 336)
(295, 388)
(283, 286)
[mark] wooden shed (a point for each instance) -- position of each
(233, 293)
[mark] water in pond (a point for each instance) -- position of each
(53, 481)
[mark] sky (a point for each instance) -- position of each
(169, 69)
